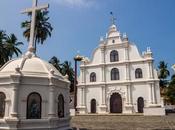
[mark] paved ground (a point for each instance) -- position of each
(123, 122)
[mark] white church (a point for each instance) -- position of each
(118, 79)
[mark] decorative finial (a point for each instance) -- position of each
(113, 19)
(33, 10)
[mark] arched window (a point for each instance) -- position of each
(138, 73)
(114, 56)
(115, 74)
(60, 106)
(2, 104)
(93, 77)
(34, 106)
(113, 41)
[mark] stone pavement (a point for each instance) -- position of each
(123, 122)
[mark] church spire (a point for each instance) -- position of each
(33, 10)
(113, 19)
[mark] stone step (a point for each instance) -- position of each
(119, 122)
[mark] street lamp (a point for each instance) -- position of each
(76, 58)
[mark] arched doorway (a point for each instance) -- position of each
(116, 103)
(93, 106)
(140, 104)
(60, 106)
(34, 106)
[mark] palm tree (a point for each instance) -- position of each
(163, 74)
(43, 28)
(3, 52)
(12, 46)
(8, 47)
(56, 63)
(68, 70)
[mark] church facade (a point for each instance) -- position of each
(118, 79)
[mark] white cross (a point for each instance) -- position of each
(33, 10)
(113, 19)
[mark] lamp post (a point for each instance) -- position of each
(76, 58)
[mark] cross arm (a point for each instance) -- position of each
(35, 8)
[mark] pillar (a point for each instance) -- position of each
(14, 109)
(103, 95)
(83, 96)
(128, 87)
(52, 112)
(150, 68)
(127, 72)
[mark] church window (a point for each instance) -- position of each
(113, 41)
(114, 56)
(34, 106)
(115, 74)
(60, 106)
(138, 73)
(93, 77)
(2, 104)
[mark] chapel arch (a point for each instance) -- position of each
(2, 104)
(34, 102)
(60, 106)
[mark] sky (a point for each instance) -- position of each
(79, 24)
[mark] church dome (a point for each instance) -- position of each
(30, 65)
(113, 32)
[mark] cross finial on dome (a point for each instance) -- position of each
(113, 19)
(33, 10)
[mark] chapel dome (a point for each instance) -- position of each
(30, 66)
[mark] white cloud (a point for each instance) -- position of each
(76, 3)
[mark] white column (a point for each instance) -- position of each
(103, 95)
(83, 96)
(128, 87)
(150, 66)
(52, 112)
(103, 73)
(14, 109)
(126, 54)
(151, 93)
(102, 54)
(127, 72)
(82, 75)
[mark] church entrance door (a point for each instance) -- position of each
(116, 103)
(93, 106)
(140, 104)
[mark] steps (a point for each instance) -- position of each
(123, 122)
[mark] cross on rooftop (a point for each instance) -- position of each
(33, 10)
(113, 19)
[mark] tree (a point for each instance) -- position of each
(3, 55)
(64, 68)
(43, 28)
(163, 74)
(12, 46)
(68, 70)
(171, 90)
(8, 47)
(56, 63)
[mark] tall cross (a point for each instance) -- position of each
(113, 19)
(33, 10)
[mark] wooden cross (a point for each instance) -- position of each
(33, 10)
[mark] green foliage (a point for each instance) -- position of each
(43, 28)
(8, 47)
(163, 74)
(64, 68)
(171, 90)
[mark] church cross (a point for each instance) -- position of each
(113, 19)
(33, 10)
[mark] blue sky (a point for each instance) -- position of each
(78, 25)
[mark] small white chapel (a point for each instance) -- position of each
(118, 79)
(33, 94)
